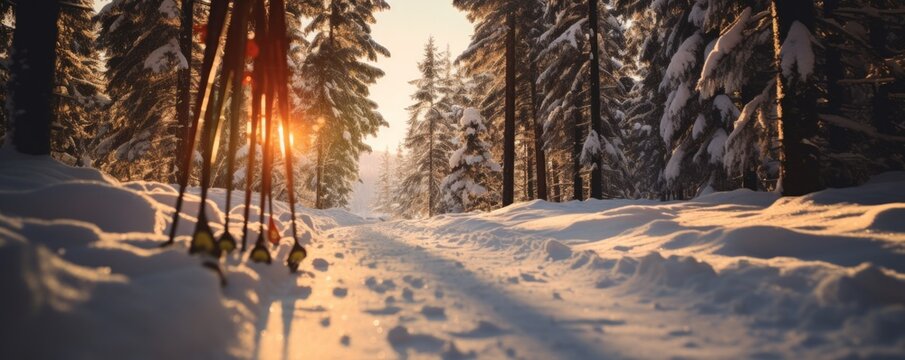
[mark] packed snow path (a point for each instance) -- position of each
(382, 291)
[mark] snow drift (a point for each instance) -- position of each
(83, 275)
(830, 265)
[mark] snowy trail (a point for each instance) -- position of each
(391, 292)
(380, 283)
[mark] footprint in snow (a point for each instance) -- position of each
(416, 283)
(379, 287)
(303, 292)
(685, 331)
(340, 292)
(484, 329)
(408, 295)
(387, 310)
(434, 312)
(345, 340)
(452, 352)
(320, 264)
(401, 340)
(531, 278)
(557, 251)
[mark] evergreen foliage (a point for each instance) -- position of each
(335, 80)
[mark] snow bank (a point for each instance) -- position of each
(81, 268)
(830, 264)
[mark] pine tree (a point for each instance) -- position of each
(386, 191)
(79, 98)
(402, 167)
(797, 106)
(464, 189)
(335, 86)
(429, 137)
(567, 95)
(140, 39)
(536, 157)
(737, 74)
(493, 50)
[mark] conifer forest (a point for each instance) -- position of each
(452, 179)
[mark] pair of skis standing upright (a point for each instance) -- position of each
(268, 79)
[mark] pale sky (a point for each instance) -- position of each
(403, 30)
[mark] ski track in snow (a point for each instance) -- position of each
(727, 275)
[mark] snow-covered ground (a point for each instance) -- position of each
(727, 275)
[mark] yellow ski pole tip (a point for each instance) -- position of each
(260, 254)
(227, 243)
(202, 241)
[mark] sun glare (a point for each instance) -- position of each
(282, 140)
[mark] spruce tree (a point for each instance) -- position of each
(797, 95)
(464, 189)
(79, 98)
(429, 136)
(141, 41)
(386, 190)
(494, 50)
(335, 80)
(567, 80)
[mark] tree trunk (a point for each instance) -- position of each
(529, 164)
(509, 126)
(180, 130)
(32, 72)
(319, 187)
(594, 99)
(749, 179)
(796, 107)
(557, 186)
(430, 168)
(540, 158)
(577, 184)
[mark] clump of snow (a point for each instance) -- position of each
(674, 165)
(590, 151)
(797, 54)
(162, 58)
(717, 146)
(471, 117)
(557, 250)
(726, 43)
(698, 128)
(726, 107)
(683, 60)
(675, 103)
(169, 8)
